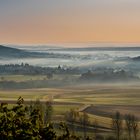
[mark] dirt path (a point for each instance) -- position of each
(82, 108)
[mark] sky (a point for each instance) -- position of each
(69, 21)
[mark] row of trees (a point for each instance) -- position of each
(75, 118)
(108, 75)
(122, 125)
(26, 69)
(129, 123)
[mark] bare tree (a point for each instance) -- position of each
(117, 125)
(135, 126)
(128, 122)
(71, 116)
(84, 120)
(95, 129)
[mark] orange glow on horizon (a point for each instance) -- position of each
(92, 22)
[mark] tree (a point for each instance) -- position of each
(128, 122)
(48, 112)
(135, 126)
(71, 117)
(15, 124)
(5, 121)
(95, 129)
(49, 75)
(48, 133)
(117, 124)
(84, 120)
(22, 123)
(66, 133)
(38, 106)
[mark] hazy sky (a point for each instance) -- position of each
(58, 21)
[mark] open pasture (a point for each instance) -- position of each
(101, 100)
(109, 110)
(102, 94)
(24, 78)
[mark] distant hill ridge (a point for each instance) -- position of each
(11, 52)
(5, 48)
(136, 58)
(101, 49)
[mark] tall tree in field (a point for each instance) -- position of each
(84, 120)
(71, 117)
(128, 122)
(95, 129)
(117, 124)
(135, 126)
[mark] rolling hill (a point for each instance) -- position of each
(136, 58)
(12, 52)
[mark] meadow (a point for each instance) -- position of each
(100, 101)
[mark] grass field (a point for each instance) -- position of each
(24, 78)
(104, 98)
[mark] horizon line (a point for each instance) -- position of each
(89, 44)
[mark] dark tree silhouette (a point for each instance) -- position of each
(117, 124)
(135, 126)
(84, 120)
(128, 122)
(71, 117)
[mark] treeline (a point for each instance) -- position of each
(125, 124)
(35, 122)
(123, 127)
(26, 69)
(103, 75)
